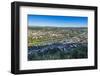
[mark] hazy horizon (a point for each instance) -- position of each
(56, 26)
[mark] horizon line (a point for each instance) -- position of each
(55, 26)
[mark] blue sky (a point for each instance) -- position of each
(57, 21)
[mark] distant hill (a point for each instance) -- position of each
(39, 27)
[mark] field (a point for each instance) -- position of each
(51, 43)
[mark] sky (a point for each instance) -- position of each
(57, 21)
